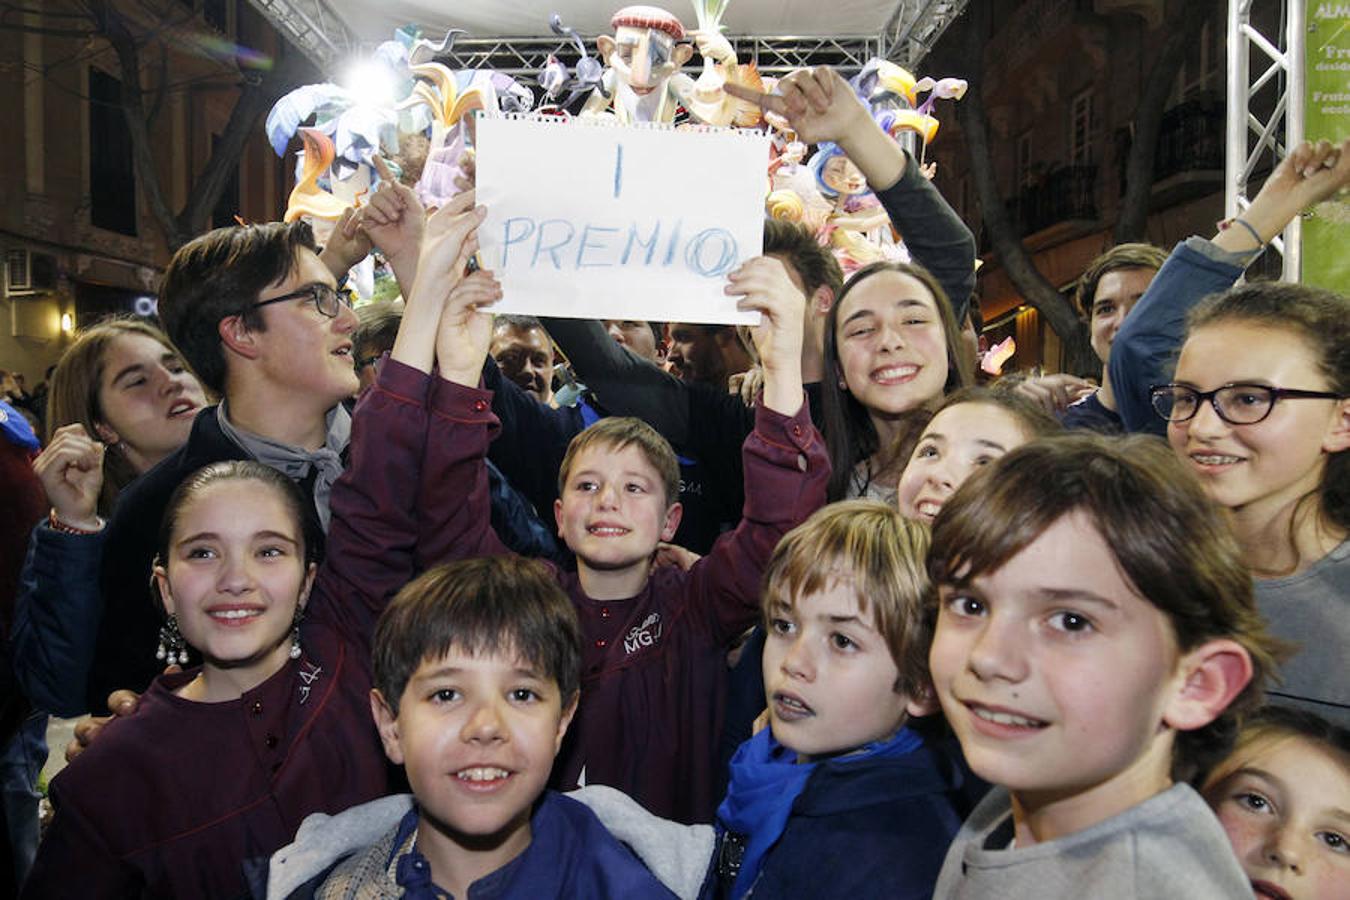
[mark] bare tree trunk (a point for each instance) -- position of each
(253, 103)
(256, 96)
(118, 34)
(1007, 242)
(1181, 29)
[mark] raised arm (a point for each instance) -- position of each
(394, 221)
(373, 536)
(59, 605)
(391, 221)
(450, 241)
(1145, 350)
(934, 234)
(821, 106)
(347, 244)
(786, 465)
(623, 382)
(455, 509)
(764, 287)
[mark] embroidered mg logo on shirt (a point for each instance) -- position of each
(644, 635)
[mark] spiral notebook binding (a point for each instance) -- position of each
(611, 122)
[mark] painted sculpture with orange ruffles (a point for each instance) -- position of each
(401, 103)
(307, 197)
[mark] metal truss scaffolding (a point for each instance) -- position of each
(1265, 113)
(915, 27)
(910, 33)
(519, 56)
(312, 27)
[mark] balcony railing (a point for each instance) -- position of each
(1064, 194)
(1192, 138)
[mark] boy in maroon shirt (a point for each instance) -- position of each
(655, 640)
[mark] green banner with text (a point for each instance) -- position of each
(1326, 233)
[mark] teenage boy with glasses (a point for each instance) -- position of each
(255, 312)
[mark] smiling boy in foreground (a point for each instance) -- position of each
(1094, 645)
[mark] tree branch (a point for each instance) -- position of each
(253, 103)
(161, 88)
(256, 94)
(133, 110)
(1181, 29)
(45, 13)
(76, 33)
(1007, 242)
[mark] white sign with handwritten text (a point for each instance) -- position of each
(611, 222)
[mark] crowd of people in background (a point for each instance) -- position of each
(412, 600)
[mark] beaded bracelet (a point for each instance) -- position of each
(56, 524)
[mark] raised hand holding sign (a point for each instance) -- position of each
(622, 223)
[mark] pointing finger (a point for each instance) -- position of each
(767, 102)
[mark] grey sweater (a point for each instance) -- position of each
(1312, 609)
(1170, 845)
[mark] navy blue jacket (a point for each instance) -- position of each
(1145, 350)
(1090, 414)
(570, 855)
(874, 828)
(56, 619)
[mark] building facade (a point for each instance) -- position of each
(77, 233)
(1061, 81)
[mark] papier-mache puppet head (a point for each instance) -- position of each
(646, 49)
(835, 173)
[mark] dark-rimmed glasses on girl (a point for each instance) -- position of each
(1236, 404)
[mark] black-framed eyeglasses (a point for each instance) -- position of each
(326, 300)
(1236, 404)
(362, 361)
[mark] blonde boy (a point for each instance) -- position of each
(1096, 638)
(842, 796)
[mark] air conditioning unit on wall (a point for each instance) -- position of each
(28, 273)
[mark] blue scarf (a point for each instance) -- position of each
(765, 782)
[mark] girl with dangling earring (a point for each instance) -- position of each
(233, 575)
(218, 765)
